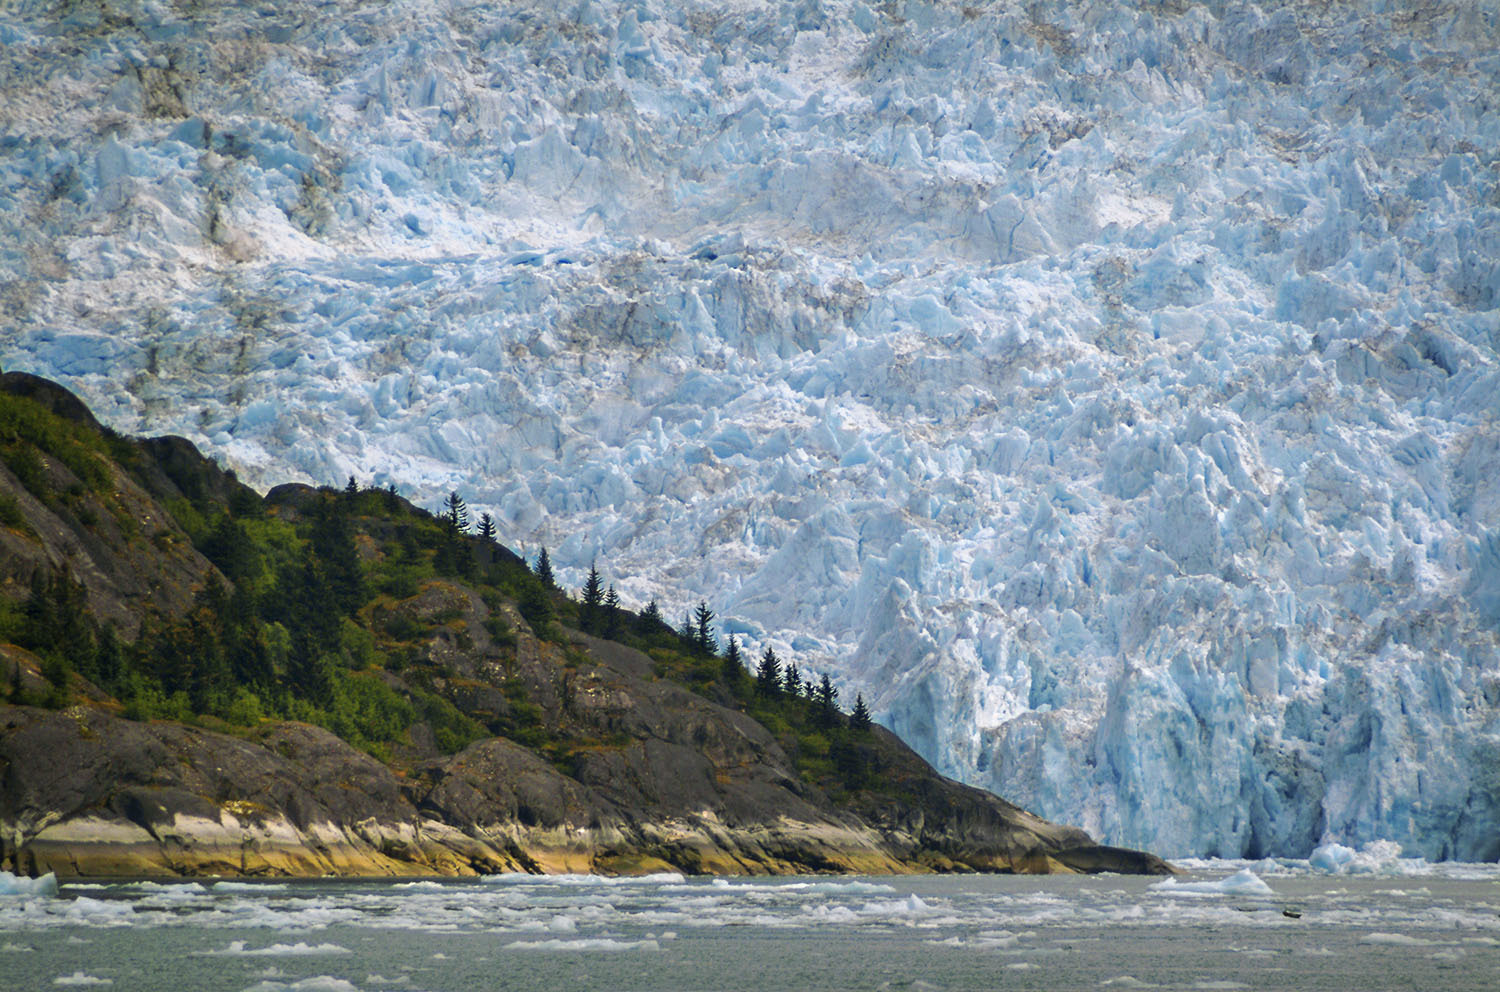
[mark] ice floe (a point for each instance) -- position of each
(1242, 883)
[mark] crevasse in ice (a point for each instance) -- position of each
(1107, 391)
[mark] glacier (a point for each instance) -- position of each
(1107, 391)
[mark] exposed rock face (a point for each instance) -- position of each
(87, 793)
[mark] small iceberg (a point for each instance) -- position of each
(20, 885)
(1242, 883)
(1378, 858)
(1332, 858)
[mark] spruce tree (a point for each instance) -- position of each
(703, 633)
(487, 527)
(734, 665)
(338, 559)
(792, 681)
(351, 488)
(651, 618)
(611, 612)
(860, 718)
(828, 697)
(593, 589)
(536, 607)
(768, 674)
(544, 569)
(456, 513)
(593, 597)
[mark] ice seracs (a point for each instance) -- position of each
(1108, 393)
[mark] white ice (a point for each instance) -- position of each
(239, 948)
(584, 944)
(1242, 883)
(20, 885)
(317, 983)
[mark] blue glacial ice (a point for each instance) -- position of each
(1108, 392)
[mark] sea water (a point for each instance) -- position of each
(1263, 926)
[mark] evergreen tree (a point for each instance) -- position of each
(611, 612)
(688, 631)
(487, 527)
(593, 598)
(828, 697)
(792, 681)
(351, 488)
(229, 547)
(703, 632)
(333, 544)
(54, 623)
(860, 718)
(768, 674)
(535, 605)
(305, 605)
(544, 569)
(651, 619)
(593, 589)
(208, 684)
(456, 513)
(109, 658)
(734, 664)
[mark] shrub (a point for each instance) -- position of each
(10, 512)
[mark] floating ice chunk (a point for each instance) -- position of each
(237, 949)
(910, 907)
(251, 887)
(1331, 857)
(585, 944)
(990, 940)
(79, 978)
(520, 878)
(1395, 940)
(317, 983)
(831, 914)
(99, 912)
(1380, 857)
(1242, 883)
(20, 885)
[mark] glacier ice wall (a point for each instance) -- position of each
(1108, 393)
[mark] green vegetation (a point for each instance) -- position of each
(28, 429)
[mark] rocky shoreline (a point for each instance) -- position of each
(88, 794)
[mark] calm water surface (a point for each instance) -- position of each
(1439, 929)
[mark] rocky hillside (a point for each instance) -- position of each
(203, 680)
